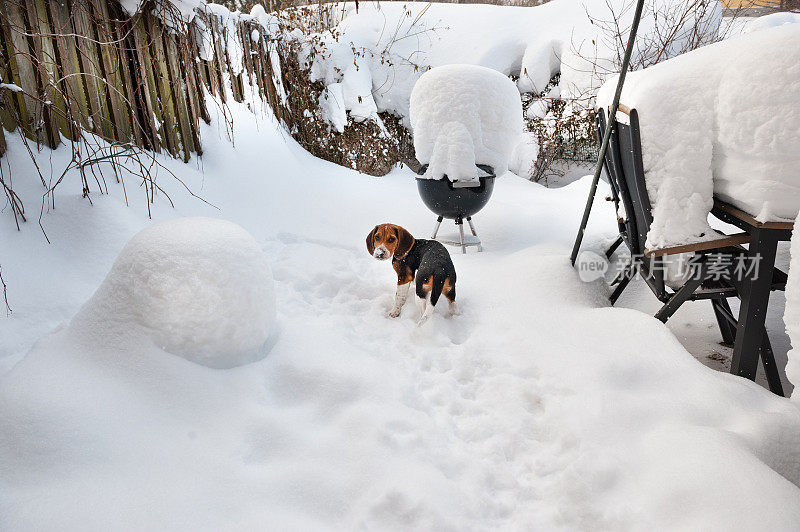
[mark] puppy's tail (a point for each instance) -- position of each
(436, 290)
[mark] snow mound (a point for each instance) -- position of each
(722, 120)
(200, 288)
(463, 115)
(771, 21)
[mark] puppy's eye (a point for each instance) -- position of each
(390, 239)
(377, 237)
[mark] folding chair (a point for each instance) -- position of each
(712, 274)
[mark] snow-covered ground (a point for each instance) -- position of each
(538, 407)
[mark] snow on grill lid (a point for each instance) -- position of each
(463, 115)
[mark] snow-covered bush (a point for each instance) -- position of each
(463, 115)
(370, 60)
(199, 288)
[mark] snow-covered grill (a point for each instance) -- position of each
(467, 120)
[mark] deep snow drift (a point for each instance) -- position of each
(463, 115)
(538, 407)
(719, 120)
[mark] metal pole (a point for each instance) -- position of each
(609, 123)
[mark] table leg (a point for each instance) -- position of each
(753, 310)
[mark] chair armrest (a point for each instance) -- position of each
(723, 241)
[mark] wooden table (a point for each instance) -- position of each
(754, 290)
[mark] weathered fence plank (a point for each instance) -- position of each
(169, 123)
(101, 120)
(152, 113)
(55, 112)
(178, 88)
(219, 60)
(8, 98)
(121, 30)
(77, 100)
(110, 66)
(22, 69)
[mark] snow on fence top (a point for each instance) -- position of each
(463, 115)
(186, 8)
(722, 120)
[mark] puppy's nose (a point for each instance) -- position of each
(380, 253)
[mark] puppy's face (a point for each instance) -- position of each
(388, 240)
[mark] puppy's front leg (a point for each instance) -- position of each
(399, 299)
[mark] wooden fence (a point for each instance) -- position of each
(86, 64)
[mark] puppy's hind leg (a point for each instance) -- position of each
(433, 289)
(427, 310)
(451, 301)
(424, 293)
(399, 299)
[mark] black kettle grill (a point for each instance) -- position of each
(456, 201)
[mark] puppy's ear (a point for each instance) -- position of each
(371, 241)
(404, 243)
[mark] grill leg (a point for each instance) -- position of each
(436, 228)
(460, 224)
(471, 226)
(474, 233)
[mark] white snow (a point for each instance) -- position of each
(792, 315)
(463, 115)
(185, 9)
(539, 407)
(719, 120)
(199, 288)
(739, 25)
(393, 43)
(13, 87)
(332, 106)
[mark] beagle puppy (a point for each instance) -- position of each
(426, 260)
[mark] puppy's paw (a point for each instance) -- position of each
(395, 312)
(454, 311)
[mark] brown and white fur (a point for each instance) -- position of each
(425, 261)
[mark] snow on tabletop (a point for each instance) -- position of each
(722, 120)
(463, 115)
(791, 316)
(199, 288)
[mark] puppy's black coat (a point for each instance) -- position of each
(428, 260)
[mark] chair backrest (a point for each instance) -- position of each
(625, 169)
